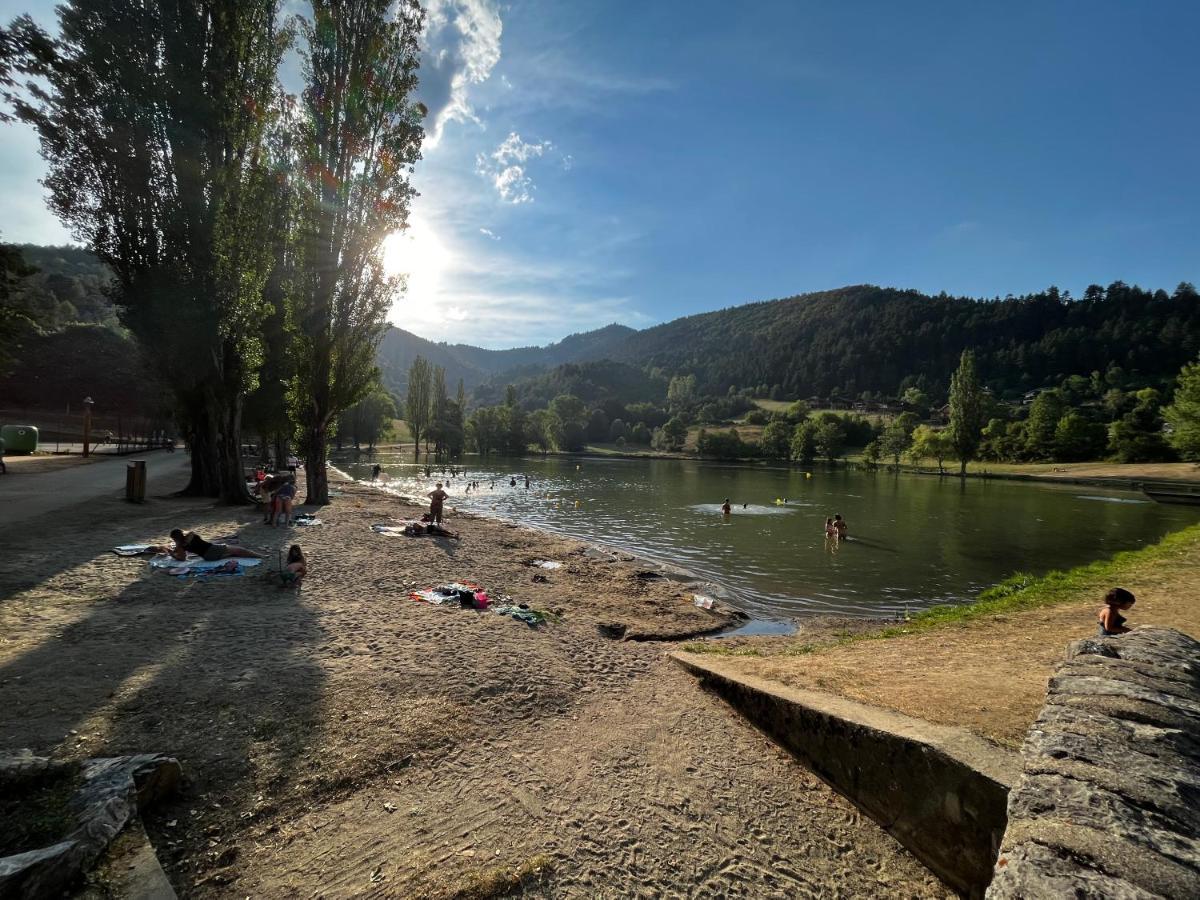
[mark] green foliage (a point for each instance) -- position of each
(804, 441)
(830, 438)
(1078, 438)
(568, 416)
(967, 414)
(897, 437)
(418, 405)
(355, 139)
(931, 443)
(153, 122)
(368, 420)
(723, 445)
(1183, 414)
(1040, 427)
(776, 441)
(1138, 435)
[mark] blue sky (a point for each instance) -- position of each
(592, 162)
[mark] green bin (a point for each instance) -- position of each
(19, 440)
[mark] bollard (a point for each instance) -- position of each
(135, 481)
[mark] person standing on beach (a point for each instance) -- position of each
(436, 498)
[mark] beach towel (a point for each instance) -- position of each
(194, 565)
(388, 529)
(307, 519)
(547, 564)
(133, 549)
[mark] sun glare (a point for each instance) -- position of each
(417, 253)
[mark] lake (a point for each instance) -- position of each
(915, 540)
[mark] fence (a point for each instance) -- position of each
(114, 435)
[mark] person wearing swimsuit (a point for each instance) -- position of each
(1112, 623)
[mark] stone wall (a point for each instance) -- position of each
(940, 791)
(1108, 804)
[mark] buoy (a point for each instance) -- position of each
(577, 504)
(778, 502)
(808, 474)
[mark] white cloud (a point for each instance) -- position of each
(487, 232)
(507, 167)
(460, 47)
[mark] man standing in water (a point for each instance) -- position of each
(436, 498)
(839, 525)
(726, 509)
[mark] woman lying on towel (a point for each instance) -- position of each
(206, 550)
(419, 529)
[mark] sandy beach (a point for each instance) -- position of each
(347, 741)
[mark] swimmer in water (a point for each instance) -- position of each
(726, 509)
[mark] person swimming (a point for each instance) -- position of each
(1112, 623)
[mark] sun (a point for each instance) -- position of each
(418, 254)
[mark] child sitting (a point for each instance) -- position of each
(295, 569)
(1112, 622)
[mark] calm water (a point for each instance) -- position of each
(914, 540)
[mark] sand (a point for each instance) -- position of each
(345, 741)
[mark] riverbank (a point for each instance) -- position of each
(983, 666)
(350, 741)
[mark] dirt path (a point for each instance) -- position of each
(346, 741)
(989, 675)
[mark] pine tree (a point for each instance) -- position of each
(1184, 413)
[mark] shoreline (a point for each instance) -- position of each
(346, 738)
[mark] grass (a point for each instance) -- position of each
(1016, 594)
(501, 881)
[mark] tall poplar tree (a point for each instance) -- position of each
(153, 119)
(966, 411)
(358, 136)
(418, 404)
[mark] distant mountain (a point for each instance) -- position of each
(865, 338)
(475, 365)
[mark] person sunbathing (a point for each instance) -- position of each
(190, 542)
(433, 529)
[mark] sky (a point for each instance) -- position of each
(598, 161)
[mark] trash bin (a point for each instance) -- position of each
(19, 440)
(135, 481)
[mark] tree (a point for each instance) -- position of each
(569, 417)
(916, 399)
(640, 434)
(776, 441)
(872, 452)
(674, 434)
(14, 322)
(155, 124)
(830, 438)
(369, 419)
(1044, 414)
(1138, 435)
(597, 427)
(681, 392)
(1078, 438)
(418, 405)
(967, 414)
(895, 439)
(538, 429)
(804, 441)
(930, 443)
(617, 430)
(357, 137)
(1183, 414)
(485, 429)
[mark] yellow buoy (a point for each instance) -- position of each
(808, 474)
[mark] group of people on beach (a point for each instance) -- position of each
(277, 491)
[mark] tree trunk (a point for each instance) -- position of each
(201, 433)
(281, 450)
(962, 472)
(316, 477)
(229, 455)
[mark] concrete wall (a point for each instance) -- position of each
(1108, 804)
(940, 791)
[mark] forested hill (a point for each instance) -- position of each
(867, 338)
(862, 338)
